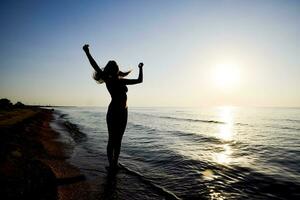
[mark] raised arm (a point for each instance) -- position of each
(134, 81)
(91, 59)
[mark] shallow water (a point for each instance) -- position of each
(208, 153)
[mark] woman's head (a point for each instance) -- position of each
(111, 70)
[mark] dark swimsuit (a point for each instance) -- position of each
(117, 113)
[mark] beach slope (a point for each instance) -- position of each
(33, 161)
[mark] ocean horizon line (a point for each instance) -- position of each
(216, 106)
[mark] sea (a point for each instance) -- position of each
(189, 153)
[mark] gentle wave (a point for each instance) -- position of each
(187, 135)
(73, 129)
(290, 128)
(293, 120)
(199, 137)
(168, 194)
(142, 127)
(282, 127)
(75, 132)
(191, 120)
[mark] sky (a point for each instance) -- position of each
(195, 53)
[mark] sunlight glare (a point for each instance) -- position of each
(224, 157)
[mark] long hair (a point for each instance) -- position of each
(110, 71)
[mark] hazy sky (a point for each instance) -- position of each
(181, 43)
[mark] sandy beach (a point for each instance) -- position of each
(33, 161)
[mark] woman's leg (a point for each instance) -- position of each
(110, 143)
(117, 149)
(119, 135)
(110, 151)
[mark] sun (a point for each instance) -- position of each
(226, 76)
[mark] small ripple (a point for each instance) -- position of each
(190, 120)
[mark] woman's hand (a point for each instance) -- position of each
(85, 47)
(141, 65)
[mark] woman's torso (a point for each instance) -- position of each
(117, 91)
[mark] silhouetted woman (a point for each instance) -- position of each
(116, 117)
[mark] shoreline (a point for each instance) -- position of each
(36, 163)
(33, 160)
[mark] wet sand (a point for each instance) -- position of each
(33, 161)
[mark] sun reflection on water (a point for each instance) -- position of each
(226, 129)
(224, 157)
(225, 133)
